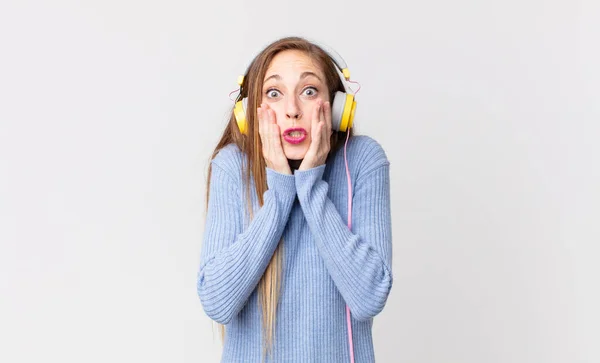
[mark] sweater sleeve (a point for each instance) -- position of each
(359, 260)
(233, 260)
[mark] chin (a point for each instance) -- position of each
(294, 154)
(295, 157)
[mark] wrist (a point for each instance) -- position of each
(308, 166)
(282, 183)
(281, 169)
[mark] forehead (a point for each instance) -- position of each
(292, 63)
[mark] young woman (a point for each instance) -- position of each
(293, 267)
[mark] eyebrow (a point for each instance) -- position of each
(303, 75)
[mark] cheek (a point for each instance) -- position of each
(308, 106)
(295, 152)
(280, 118)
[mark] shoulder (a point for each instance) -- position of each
(230, 160)
(367, 148)
(366, 153)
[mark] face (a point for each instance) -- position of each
(293, 83)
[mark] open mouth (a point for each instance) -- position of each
(294, 135)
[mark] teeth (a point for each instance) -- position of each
(295, 134)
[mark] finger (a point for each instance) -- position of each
(275, 134)
(323, 122)
(328, 117)
(314, 129)
(323, 125)
(274, 131)
(265, 109)
(272, 118)
(260, 115)
(316, 118)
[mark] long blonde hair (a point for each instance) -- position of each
(251, 145)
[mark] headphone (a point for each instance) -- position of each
(343, 106)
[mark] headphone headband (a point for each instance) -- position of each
(336, 58)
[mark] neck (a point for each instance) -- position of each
(294, 164)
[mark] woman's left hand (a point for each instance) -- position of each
(320, 134)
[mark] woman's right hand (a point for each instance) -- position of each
(271, 140)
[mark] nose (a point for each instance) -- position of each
(295, 115)
(292, 110)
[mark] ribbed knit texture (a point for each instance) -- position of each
(325, 267)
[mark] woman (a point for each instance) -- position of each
(280, 266)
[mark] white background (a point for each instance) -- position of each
(488, 111)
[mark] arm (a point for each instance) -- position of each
(358, 261)
(233, 260)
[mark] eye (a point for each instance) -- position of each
(310, 91)
(272, 93)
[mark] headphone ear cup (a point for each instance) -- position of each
(337, 110)
(240, 115)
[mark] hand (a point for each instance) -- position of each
(271, 140)
(320, 133)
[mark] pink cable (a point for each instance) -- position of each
(349, 227)
(357, 84)
(237, 89)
